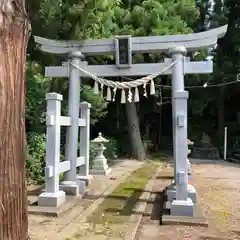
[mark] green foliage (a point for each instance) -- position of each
(36, 158)
(98, 104)
(50, 15)
(160, 17)
(111, 151)
(93, 19)
(37, 87)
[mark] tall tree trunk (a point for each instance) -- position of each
(138, 150)
(14, 27)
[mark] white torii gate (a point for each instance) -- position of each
(177, 46)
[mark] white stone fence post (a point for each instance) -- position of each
(55, 192)
(84, 144)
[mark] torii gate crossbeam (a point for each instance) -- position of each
(149, 44)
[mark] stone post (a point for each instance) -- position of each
(52, 197)
(191, 189)
(85, 143)
(182, 205)
(69, 184)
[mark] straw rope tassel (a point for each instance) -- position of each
(136, 95)
(109, 94)
(123, 96)
(114, 94)
(96, 88)
(102, 86)
(145, 90)
(129, 95)
(152, 88)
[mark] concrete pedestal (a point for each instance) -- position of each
(51, 199)
(103, 172)
(100, 166)
(171, 192)
(86, 179)
(192, 194)
(182, 208)
(73, 188)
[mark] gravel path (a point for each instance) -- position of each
(218, 187)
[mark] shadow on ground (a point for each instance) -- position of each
(130, 203)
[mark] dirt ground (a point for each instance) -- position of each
(218, 188)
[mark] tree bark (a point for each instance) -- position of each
(138, 150)
(14, 34)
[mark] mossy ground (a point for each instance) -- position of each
(118, 206)
(111, 217)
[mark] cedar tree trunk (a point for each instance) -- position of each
(14, 34)
(138, 150)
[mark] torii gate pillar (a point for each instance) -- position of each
(182, 205)
(70, 183)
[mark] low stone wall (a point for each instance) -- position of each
(207, 153)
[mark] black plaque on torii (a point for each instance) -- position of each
(123, 51)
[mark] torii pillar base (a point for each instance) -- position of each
(71, 188)
(46, 199)
(182, 208)
(171, 192)
(86, 179)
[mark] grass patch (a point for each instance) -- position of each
(118, 206)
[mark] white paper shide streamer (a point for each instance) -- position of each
(129, 90)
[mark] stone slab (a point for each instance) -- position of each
(184, 220)
(34, 209)
(135, 219)
(198, 219)
(100, 172)
(166, 174)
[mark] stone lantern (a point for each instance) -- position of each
(100, 166)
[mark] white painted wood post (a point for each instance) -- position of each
(73, 112)
(182, 205)
(225, 143)
(85, 142)
(52, 196)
